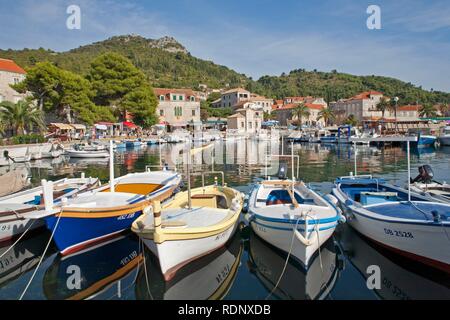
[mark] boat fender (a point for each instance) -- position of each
(342, 218)
(436, 216)
(348, 202)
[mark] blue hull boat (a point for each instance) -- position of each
(410, 224)
(97, 216)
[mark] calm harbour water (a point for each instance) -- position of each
(247, 268)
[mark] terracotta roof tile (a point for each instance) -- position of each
(10, 66)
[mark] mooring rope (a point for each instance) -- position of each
(42, 257)
(145, 272)
(18, 240)
(287, 260)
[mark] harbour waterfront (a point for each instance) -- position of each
(247, 268)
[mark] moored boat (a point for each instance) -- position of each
(16, 208)
(193, 224)
(87, 154)
(407, 223)
(424, 183)
(94, 217)
(444, 138)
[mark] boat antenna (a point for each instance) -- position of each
(356, 160)
(111, 166)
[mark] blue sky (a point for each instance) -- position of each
(257, 37)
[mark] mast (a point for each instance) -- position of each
(111, 166)
(189, 177)
(409, 170)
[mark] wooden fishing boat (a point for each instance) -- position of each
(15, 209)
(407, 223)
(96, 216)
(410, 224)
(193, 224)
(291, 216)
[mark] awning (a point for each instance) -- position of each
(62, 126)
(79, 126)
(179, 124)
(101, 127)
(129, 125)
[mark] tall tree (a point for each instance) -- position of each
(112, 77)
(327, 115)
(22, 116)
(64, 93)
(427, 111)
(300, 112)
(118, 83)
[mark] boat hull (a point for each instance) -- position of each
(281, 235)
(174, 254)
(69, 238)
(14, 228)
(88, 154)
(414, 241)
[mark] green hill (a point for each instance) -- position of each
(167, 63)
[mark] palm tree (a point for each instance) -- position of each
(327, 115)
(301, 111)
(383, 106)
(22, 115)
(427, 111)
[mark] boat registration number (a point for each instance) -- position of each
(126, 216)
(397, 233)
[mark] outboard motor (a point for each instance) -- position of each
(426, 175)
(282, 171)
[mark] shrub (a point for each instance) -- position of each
(28, 139)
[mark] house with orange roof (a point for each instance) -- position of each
(178, 108)
(10, 73)
(362, 106)
(286, 114)
(233, 97)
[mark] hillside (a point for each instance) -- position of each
(333, 86)
(167, 63)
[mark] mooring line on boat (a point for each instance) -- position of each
(145, 272)
(42, 257)
(287, 260)
(18, 240)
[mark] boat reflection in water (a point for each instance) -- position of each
(401, 278)
(23, 257)
(105, 271)
(267, 263)
(207, 278)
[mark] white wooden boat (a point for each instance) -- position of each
(193, 224)
(292, 217)
(407, 223)
(87, 154)
(15, 208)
(425, 184)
